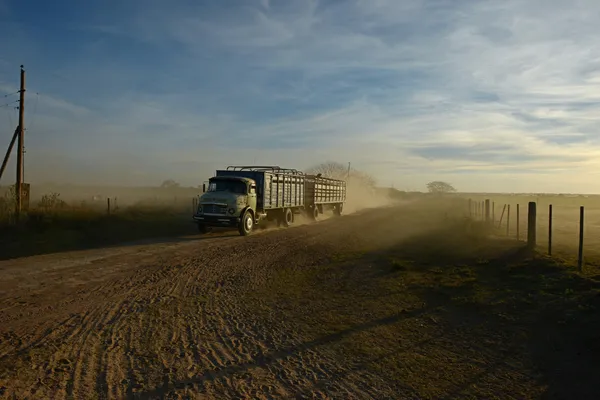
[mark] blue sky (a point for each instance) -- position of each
(488, 95)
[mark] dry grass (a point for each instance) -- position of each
(565, 223)
(52, 225)
(451, 314)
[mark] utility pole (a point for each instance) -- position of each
(20, 145)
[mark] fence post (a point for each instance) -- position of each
(501, 216)
(518, 222)
(470, 208)
(531, 225)
(508, 220)
(550, 229)
(108, 205)
(580, 255)
(493, 212)
(487, 211)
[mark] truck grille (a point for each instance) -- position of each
(214, 209)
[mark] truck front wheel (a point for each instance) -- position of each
(288, 217)
(203, 228)
(246, 224)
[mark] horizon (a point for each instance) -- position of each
(498, 97)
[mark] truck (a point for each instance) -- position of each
(243, 196)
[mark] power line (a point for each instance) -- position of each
(8, 104)
(34, 111)
(10, 94)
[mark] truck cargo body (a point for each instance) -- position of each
(273, 189)
(321, 190)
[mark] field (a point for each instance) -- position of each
(409, 301)
(79, 220)
(565, 222)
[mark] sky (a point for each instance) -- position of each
(491, 96)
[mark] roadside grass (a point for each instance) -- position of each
(47, 230)
(451, 313)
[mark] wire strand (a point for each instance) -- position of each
(8, 104)
(34, 112)
(11, 94)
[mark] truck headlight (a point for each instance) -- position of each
(199, 210)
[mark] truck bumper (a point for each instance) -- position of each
(211, 220)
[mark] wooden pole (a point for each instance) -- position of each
(501, 216)
(518, 222)
(508, 220)
(108, 205)
(531, 225)
(20, 145)
(470, 208)
(550, 229)
(580, 255)
(487, 211)
(493, 212)
(10, 147)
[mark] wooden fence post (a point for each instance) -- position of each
(487, 211)
(508, 220)
(470, 208)
(108, 205)
(550, 229)
(580, 255)
(493, 212)
(531, 225)
(501, 216)
(518, 222)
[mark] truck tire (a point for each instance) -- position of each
(337, 210)
(203, 228)
(313, 213)
(288, 217)
(246, 224)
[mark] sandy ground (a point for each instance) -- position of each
(190, 317)
(126, 321)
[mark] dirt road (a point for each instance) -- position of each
(130, 321)
(219, 317)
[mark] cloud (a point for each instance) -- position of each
(472, 91)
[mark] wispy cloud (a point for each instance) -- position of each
(474, 91)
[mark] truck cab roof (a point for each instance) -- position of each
(233, 178)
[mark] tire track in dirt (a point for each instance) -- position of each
(172, 321)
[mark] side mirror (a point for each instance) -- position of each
(204, 188)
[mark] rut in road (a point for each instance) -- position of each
(173, 321)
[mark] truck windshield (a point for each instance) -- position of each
(227, 186)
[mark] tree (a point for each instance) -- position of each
(439, 187)
(336, 170)
(169, 184)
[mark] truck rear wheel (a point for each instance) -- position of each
(313, 213)
(288, 217)
(246, 224)
(337, 210)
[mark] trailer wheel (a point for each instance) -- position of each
(288, 217)
(246, 224)
(337, 210)
(313, 213)
(203, 228)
